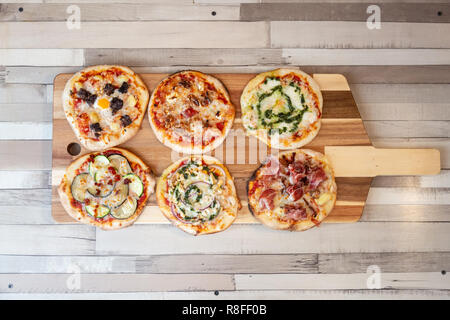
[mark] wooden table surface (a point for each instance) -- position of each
(399, 76)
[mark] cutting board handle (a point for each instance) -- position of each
(368, 161)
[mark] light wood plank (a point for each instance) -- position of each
(28, 197)
(47, 240)
(285, 34)
(25, 179)
(120, 1)
(157, 34)
(401, 93)
(63, 283)
(27, 112)
(41, 57)
(245, 295)
(441, 180)
(387, 262)
(413, 280)
(23, 93)
(408, 196)
(410, 111)
(392, 12)
(257, 239)
(25, 130)
(442, 144)
(119, 12)
(26, 214)
(25, 155)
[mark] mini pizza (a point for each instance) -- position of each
(197, 195)
(295, 191)
(105, 105)
(107, 189)
(191, 112)
(282, 108)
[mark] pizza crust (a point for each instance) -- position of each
(65, 193)
(128, 133)
(261, 134)
(196, 149)
(220, 223)
(301, 225)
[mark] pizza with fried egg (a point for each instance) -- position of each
(282, 108)
(294, 191)
(105, 105)
(191, 112)
(197, 195)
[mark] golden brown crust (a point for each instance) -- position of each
(220, 223)
(77, 213)
(119, 137)
(181, 147)
(289, 141)
(272, 220)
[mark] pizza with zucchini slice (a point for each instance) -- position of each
(107, 189)
(294, 191)
(105, 105)
(282, 108)
(197, 195)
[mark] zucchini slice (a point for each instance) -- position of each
(97, 211)
(118, 196)
(99, 163)
(79, 186)
(104, 190)
(126, 210)
(136, 186)
(120, 163)
(101, 174)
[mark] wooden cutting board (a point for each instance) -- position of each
(342, 138)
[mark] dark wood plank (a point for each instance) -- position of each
(390, 12)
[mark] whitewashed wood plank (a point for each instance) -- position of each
(41, 57)
(367, 57)
(410, 213)
(25, 197)
(31, 179)
(155, 34)
(402, 111)
(408, 129)
(415, 280)
(120, 12)
(36, 75)
(336, 34)
(387, 262)
(180, 57)
(257, 239)
(67, 264)
(120, 1)
(63, 283)
(26, 112)
(408, 196)
(25, 130)
(47, 240)
(25, 155)
(22, 93)
(441, 180)
(245, 295)
(401, 93)
(26, 214)
(443, 144)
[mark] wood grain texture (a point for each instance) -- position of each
(119, 12)
(155, 34)
(391, 12)
(284, 34)
(41, 57)
(341, 112)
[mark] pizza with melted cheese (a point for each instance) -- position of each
(282, 108)
(107, 189)
(294, 191)
(197, 195)
(191, 112)
(105, 105)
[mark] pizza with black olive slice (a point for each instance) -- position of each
(294, 191)
(105, 105)
(282, 108)
(197, 195)
(191, 112)
(107, 189)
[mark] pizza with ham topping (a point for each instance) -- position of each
(197, 195)
(191, 112)
(107, 189)
(282, 108)
(294, 191)
(105, 105)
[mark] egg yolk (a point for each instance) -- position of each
(103, 103)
